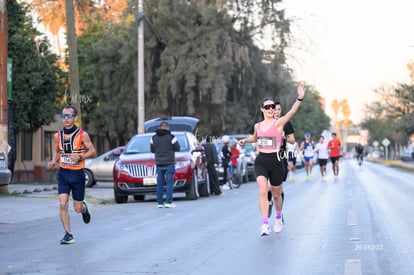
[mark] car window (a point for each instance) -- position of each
(182, 140)
(113, 156)
(139, 145)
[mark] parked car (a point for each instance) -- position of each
(5, 173)
(248, 155)
(135, 171)
(101, 167)
(245, 162)
(176, 123)
(377, 154)
(408, 154)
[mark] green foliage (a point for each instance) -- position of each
(392, 116)
(200, 60)
(35, 74)
(310, 117)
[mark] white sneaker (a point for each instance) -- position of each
(278, 226)
(226, 186)
(160, 205)
(170, 205)
(264, 230)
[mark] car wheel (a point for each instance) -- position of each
(139, 197)
(120, 198)
(205, 187)
(89, 180)
(192, 193)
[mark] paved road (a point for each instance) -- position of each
(358, 224)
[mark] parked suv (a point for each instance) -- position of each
(245, 162)
(248, 154)
(408, 154)
(135, 170)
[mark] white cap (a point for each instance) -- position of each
(225, 139)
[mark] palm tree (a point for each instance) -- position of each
(52, 14)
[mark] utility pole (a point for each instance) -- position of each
(73, 60)
(140, 68)
(3, 81)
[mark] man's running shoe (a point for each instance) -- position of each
(160, 205)
(86, 215)
(269, 212)
(170, 205)
(264, 230)
(278, 226)
(67, 239)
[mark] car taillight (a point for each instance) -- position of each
(181, 164)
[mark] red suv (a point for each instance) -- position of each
(135, 171)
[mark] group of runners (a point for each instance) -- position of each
(324, 152)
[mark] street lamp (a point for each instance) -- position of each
(140, 70)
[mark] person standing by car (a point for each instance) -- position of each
(235, 154)
(225, 160)
(73, 146)
(212, 161)
(269, 164)
(164, 145)
(334, 153)
(321, 149)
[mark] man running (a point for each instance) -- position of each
(359, 149)
(333, 146)
(308, 153)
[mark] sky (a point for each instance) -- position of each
(346, 49)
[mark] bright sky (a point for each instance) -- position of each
(346, 49)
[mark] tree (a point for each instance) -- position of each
(395, 108)
(52, 14)
(196, 63)
(310, 116)
(36, 77)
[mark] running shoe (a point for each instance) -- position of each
(86, 216)
(170, 205)
(160, 205)
(264, 230)
(67, 239)
(278, 226)
(269, 212)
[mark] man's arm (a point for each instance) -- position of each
(175, 143)
(90, 149)
(56, 153)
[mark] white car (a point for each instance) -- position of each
(101, 167)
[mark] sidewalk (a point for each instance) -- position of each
(32, 201)
(404, 165)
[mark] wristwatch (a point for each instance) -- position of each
(80, 157)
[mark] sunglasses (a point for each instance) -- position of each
(269, 106)
(66, 115)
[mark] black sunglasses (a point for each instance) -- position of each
(269, 106)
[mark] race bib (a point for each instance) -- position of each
(266, 142)
(65, 159)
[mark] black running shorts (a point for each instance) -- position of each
(271, 166)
